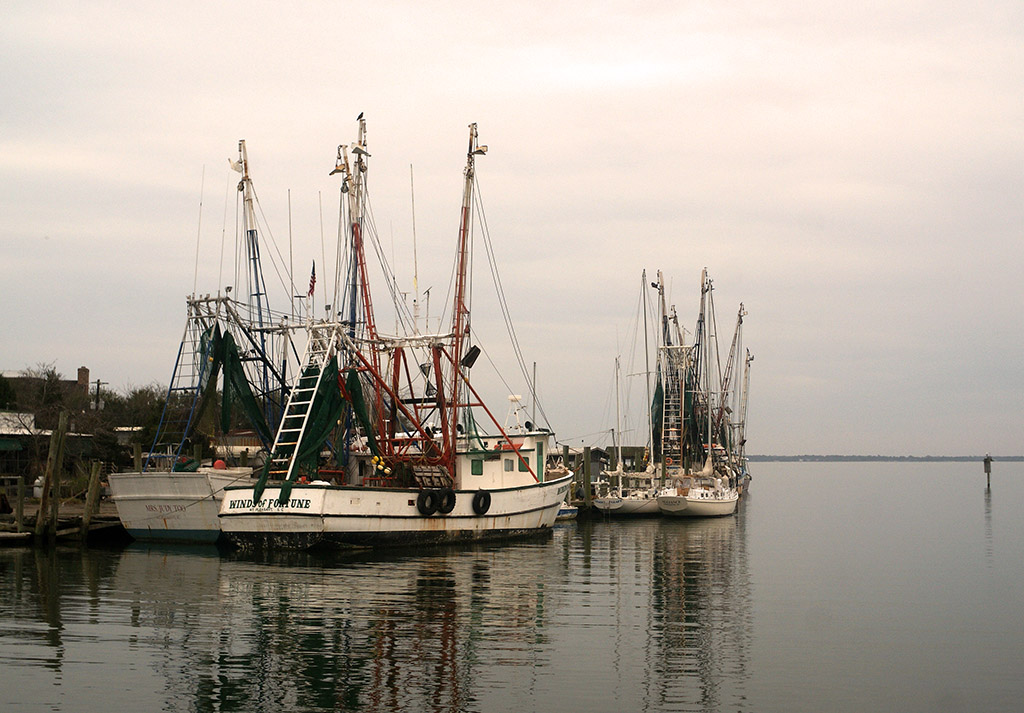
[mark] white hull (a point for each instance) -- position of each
(320, 514)
(626, 506)
(698, 502)
(171, 506)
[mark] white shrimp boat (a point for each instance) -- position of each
(173, 498)
(496, 504)
(701, 482)
(395, 414)
(173, 506)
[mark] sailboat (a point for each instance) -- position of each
(632, 493)
(397, 415)
(701, 484)
(175, 497)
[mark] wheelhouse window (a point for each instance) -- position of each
(477, 466)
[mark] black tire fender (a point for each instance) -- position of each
(427, 502)
(481, 502)
(445, 501)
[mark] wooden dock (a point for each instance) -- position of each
(104, 524)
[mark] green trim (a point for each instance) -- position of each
(9, 444)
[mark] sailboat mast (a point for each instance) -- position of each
(647, 363)
(742, 435)
(618, 420)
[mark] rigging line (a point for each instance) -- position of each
(268, 233)
(341, 254)
(580, 437)
(323, 248)
(291, 258)
(402, 310)
(199, 230)
(497, 371)
(239, 245)
(223, 233)
(503, 303)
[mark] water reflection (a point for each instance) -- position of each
(988, 524)
(653, 615)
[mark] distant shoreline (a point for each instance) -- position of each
(861, 459)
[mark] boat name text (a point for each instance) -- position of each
(269, 504)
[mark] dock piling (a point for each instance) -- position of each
(19, 507)
(92, 498)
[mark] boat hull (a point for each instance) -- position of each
(173, 507)
(626, 507)
(698, 505)
(567, 512)
(318, 515)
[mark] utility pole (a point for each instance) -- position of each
(98, 385)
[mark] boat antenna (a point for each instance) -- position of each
(291, 266)
(415, 263)
(323, 250)
(202, 185)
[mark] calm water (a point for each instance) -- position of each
(837, 587)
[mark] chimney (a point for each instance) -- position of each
(83, 379)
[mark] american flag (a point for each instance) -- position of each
(312, 279)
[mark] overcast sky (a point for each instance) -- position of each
(852, 172)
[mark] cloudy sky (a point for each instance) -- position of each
(852, 172)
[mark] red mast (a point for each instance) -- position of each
(460, 311)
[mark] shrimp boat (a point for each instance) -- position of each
(175, 497)
(380, 443)
(699, 468)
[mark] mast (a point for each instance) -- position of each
(647, 363)
(259, 307)
(460, 310)
(742, 421)
(618, 422)
(727, 378)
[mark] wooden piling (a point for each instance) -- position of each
(58, 470)
(572, 485)
(137, 457)
(19, 507)
(92, 498)
(50, 494)
(586, 477)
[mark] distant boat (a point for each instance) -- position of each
(396, 416)
(692, 409)
(630, 493)
(566, 512)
